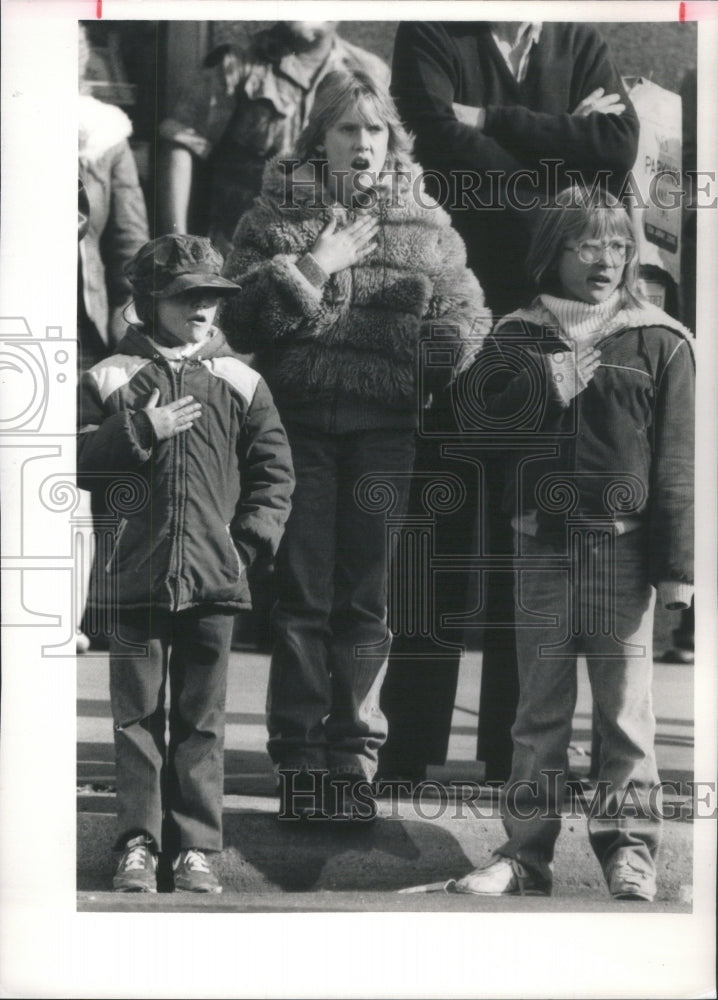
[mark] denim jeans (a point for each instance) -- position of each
(592, 596)
(331, 635)
(170, 790)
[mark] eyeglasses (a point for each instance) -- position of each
(591, 251)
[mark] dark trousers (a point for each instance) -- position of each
(420, 688)
(499, 693)
(330, 622)
(171, 790)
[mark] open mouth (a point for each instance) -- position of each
(360, 163)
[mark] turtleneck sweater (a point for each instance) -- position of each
(586, 324)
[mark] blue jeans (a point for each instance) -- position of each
(594, 598)
(170, 790)
(331, 635)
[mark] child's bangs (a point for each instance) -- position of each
(603, 223)
(370, 110)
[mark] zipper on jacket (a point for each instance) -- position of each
(116, 543)
(174, 445)
(178, 459)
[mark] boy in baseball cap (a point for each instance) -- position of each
(192, 434)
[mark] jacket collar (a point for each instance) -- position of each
(100, 127)
(644, 315)
(137, 343)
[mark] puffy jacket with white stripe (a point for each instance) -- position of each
(199, 506)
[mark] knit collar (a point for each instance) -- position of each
(577, 320)
(583, 321)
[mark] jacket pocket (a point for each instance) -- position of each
(239, 565)
(116, 544)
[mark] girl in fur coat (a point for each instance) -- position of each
(345, 266)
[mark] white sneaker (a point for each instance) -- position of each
(629, 878)
(501, 876)
(192, 873)
(137, 868)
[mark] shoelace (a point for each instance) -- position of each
(625, 870)
(196, 861)
(136, 858)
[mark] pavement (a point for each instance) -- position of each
(448, 827)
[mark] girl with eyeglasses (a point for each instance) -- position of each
(591, 390)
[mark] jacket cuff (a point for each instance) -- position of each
(142, 429)
(312, 271)
(291, 279)
(183, 135)
(247, 552)
(675, 595)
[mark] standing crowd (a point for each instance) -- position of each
(270, 392)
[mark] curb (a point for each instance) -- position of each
(263, 855)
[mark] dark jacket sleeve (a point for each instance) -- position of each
(672, 470)
(425, 82)
(583, 142)
(108, 443)
(510, 385)
(267, 479)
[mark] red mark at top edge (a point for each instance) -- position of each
(681, 11)
(98, 10)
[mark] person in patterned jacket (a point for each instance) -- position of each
(247, 104)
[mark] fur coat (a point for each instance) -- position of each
(357, 337)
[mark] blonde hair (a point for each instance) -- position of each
(576, 211)
(342, 89)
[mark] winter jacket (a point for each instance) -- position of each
(439, 64)
(117, 225)
(207, 500)
(622, 449)
(248, 104)
(344, 354)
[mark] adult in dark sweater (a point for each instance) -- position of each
(442, 70)
(504, 114)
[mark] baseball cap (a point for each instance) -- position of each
(175, 263)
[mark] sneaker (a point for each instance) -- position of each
(350, 797)
(629, 877)
(137, 870)
(501, 877)
(678, 655)
(301, 793)
(192, 873)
